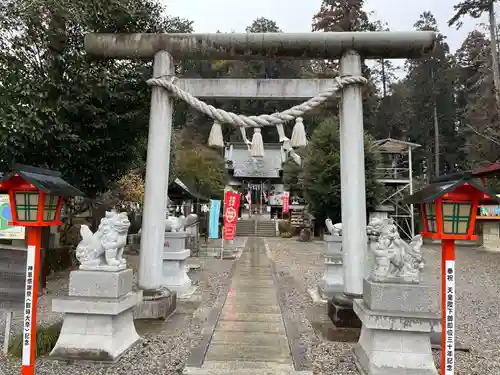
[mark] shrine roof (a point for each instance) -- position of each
(46, 180)
(394, 146)
(490, 170)
(184, 190)
(447, 184)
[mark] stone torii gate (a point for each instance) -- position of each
(350, 47)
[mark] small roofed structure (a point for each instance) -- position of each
(449, 206)
(394, 146)
(448, 183)
(36, 195)
(179, 190)
(46, 180)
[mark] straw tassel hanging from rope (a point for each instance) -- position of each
(215, 139)
(257, 143)
(299, 137)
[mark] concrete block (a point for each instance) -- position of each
(92, 306)
(100, 284)
(175, 241)
(334, 243)
(97, 327)
(395, 342)
(179, 255)
(332, 282)
(158, 308)
(396, 320)
(106, 338)
(407, 298)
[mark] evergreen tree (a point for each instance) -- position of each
(475, 9)
(476, 98)
(321, 172)
(433, 109)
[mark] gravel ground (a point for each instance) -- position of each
(478, 306)
(164, 346)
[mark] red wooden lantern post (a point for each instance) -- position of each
(449, 209)
(35, 200)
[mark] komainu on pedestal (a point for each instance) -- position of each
(98, 312)
(397, 311)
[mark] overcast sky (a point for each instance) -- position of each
(296, 15)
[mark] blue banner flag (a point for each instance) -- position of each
(213, 231)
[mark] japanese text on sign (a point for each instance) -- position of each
(286, 201)
(28, 303)
(231, 205)
(449, 309)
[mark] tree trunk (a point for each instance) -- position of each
(494, 51)
(384, 84)
(436, 140)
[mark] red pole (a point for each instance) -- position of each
(31, 299)
(448, 307)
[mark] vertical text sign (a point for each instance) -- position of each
(449, 309)
(28, 313)
(286, 201)
(231, 205)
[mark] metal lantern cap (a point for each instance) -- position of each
(449, 206)
(36, 195)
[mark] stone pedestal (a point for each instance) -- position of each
(397, 323)
(98, 320)
(332, 282)
(175, 276)
(491, 235)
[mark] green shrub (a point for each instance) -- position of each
(46, 338)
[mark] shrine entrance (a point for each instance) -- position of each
(346, 46)
(259, 179)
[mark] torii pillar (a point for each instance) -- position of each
(350, 47)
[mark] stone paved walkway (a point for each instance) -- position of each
(250, 336)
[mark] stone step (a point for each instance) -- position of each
(12, 257)
(244, 368)
(6, 291)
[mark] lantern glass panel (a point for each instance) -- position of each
(456, 217)
(26, 203)
(50, 207)
(430, 216)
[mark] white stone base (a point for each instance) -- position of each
(100, 338)
(395, 342)
(333, 243)
(332, 282)
(98, 320)
(175, 276)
